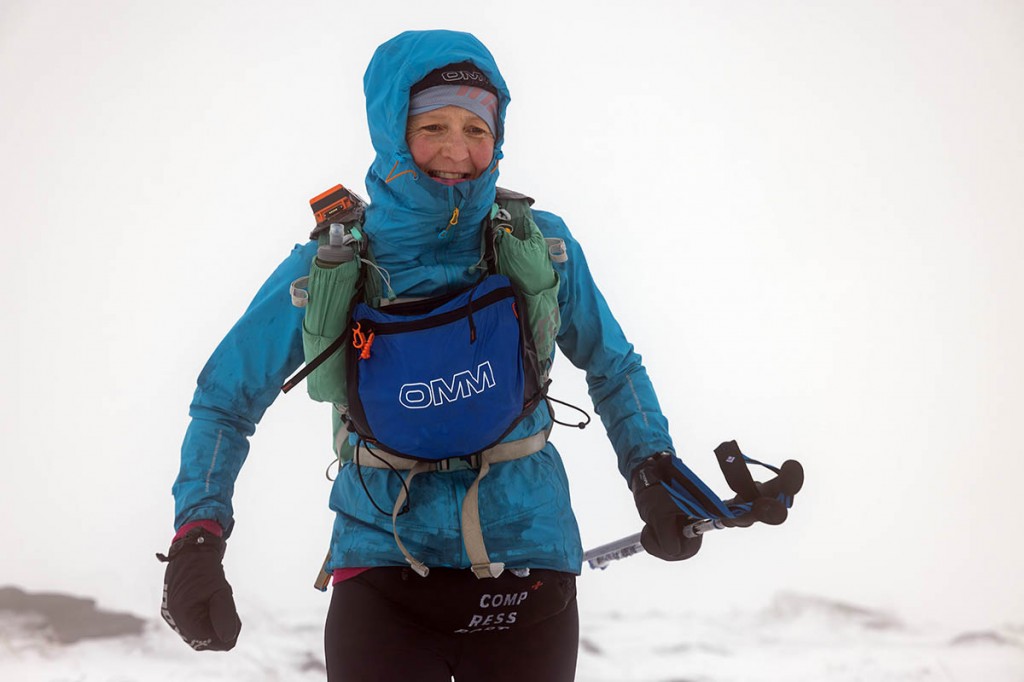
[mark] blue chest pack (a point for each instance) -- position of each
(443, 377)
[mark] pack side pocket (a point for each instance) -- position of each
(528, 264)
(526, 261)
(544, 321)
(331, 291)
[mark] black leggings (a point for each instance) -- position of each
(389, 625)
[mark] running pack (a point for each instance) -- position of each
(432, 384)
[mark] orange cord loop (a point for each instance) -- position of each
(362, 341)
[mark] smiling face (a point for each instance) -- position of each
(450, 144)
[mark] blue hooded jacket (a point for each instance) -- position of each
(428, 248)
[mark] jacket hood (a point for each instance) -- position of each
(416, 234)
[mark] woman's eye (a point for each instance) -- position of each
(476, 131)
(433, 128)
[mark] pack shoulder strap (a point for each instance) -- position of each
(518, 207)
(520, 216)
(333, 291)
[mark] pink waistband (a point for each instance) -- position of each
(341, 574)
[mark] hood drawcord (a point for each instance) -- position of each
(392, 176)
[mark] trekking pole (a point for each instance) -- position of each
(765, 509)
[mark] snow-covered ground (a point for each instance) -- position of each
(797, 638)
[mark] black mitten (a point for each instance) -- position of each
(662, 535)
(198, 602)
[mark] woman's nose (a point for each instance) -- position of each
(456, 147)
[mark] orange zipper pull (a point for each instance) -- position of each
(361, 341)
(452, 222)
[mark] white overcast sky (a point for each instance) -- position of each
(807, 216)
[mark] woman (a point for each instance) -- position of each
(408, 600)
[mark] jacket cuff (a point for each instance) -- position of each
(646, 473)
(210, 526)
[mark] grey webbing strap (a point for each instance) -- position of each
(299, 290)
(472, 533)
(556, 250)
(502, 452)
(417, 565)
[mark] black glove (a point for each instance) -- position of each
(198, 602)
(662, 535)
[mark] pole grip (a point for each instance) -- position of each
(767, 508)
(788, 481)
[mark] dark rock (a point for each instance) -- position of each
(312, 663)
(789, 607)
(693, 647)
(984, 637)
(66, 619)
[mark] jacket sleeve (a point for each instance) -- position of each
(237, 385)
(591, 338)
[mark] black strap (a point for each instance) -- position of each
(315, 362)
(551, 410)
